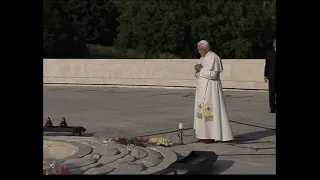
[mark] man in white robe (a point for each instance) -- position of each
(211, 121)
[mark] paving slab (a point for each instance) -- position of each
(110, 112)
(92, 162)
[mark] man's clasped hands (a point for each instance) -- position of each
(198, 67)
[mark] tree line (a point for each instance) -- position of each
(158, 28)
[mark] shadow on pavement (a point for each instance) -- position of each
(253, 125)
(67, 134)
(254, 135)
(221, 165)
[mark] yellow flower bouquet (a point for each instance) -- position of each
(161, 142)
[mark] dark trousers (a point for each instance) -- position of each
(272, 93)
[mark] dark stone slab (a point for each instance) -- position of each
(195, 163)
(73, 129)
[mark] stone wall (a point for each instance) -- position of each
(238, 73)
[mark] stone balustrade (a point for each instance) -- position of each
(238, 73)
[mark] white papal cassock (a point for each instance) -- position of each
(210, 113)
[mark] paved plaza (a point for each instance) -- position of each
(110, 112)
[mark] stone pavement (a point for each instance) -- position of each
(109, 112)
(91, 155)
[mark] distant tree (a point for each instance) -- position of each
(60, 37)
(96, 19)
(235, 29)
(154, 27)
(126, 37)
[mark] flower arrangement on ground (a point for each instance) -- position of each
(142, 141)
(161, 142)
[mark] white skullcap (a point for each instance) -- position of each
(205, 43)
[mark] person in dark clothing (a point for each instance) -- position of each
(270, 76)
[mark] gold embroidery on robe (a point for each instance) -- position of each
(200, 110)
(208, 115)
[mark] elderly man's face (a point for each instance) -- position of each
(202, 50)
